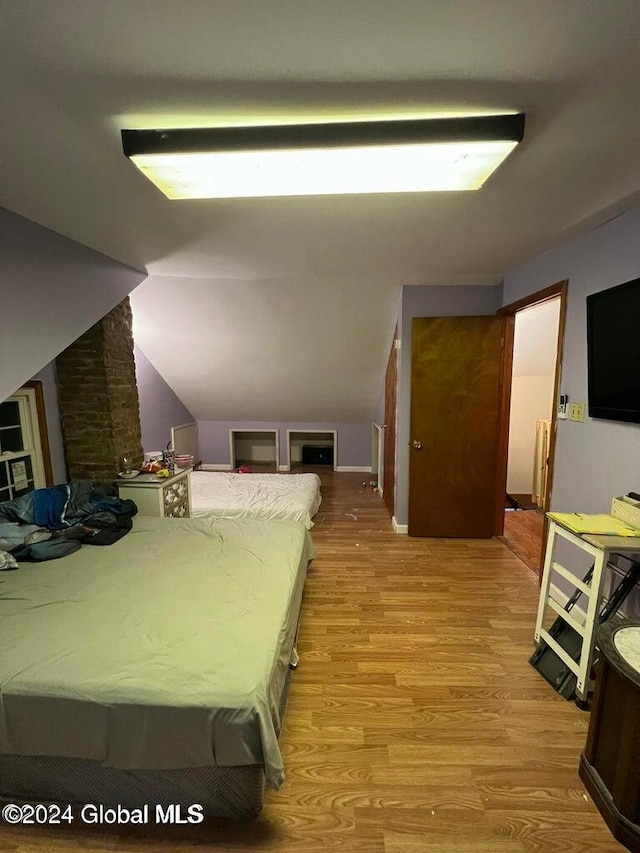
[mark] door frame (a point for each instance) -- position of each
(377, 454)
(559, 289)
(390, 429)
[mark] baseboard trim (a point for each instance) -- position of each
(212, 467)
(362, 469)
(283, 468)
(400, 529)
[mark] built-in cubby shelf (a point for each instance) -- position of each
(322, 447)
(254, 445)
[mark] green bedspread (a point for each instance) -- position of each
(167, 649)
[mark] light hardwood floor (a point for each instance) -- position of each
(415, 722)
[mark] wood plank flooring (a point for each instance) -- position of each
(415, 722)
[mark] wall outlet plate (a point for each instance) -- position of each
(576, 412)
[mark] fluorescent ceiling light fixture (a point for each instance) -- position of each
(409, 155)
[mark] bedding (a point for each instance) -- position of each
(7, 561)
(231, 792)
(219, 494)
(168, 650)
(47, 524)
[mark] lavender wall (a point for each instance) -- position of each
(160, 408)
(354, 440)
(378, 415)
(428, 301)
(598, 459)
(53, 290)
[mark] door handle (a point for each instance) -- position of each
(417, 444)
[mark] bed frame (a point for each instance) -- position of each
(234, 792)
(229, 792)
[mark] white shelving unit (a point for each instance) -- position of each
(601, 549)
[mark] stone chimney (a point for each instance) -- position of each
(98, 399)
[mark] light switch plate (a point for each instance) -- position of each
(576, 412)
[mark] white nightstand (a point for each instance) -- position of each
(159, 496)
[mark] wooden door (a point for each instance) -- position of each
(389, 470)
(455, 469)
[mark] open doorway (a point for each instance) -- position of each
(538, 333)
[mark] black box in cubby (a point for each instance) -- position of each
(315, 455)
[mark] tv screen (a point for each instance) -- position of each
(613, 345)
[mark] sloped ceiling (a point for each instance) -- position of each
(301, 293)
(265, 353)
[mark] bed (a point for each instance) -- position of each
(154, 670)
(220, 494)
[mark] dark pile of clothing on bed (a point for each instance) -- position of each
(49, 523)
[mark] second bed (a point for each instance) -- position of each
(295, 497)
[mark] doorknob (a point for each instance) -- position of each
(417, 444)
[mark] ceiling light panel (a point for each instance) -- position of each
(344, 158)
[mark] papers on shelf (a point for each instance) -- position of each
(603, 524)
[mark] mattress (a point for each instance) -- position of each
(168, 649)
(230, 792)
(292, 496)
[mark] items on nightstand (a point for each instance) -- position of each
(168, 460)
(183, 461)
(154, 495)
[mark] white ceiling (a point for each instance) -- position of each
(311, 284)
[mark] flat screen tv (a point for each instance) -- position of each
(613, 345)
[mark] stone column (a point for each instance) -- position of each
(98, 398)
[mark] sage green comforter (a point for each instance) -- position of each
(168, 649)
